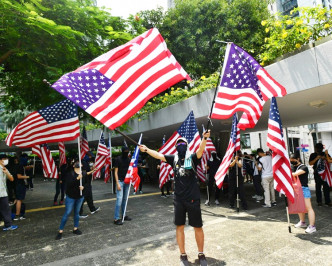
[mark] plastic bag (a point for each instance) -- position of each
(299, 205)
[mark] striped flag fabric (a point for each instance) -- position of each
(117, 84)
(233, 146)
(84, 144)
(282, 172)
(201, 169)
(49, 168)
(245, 86)
(102, 156)
(62, 153)
(188, 130)
(132, 172)
(323, 169)
(108, 166)
(54, 123)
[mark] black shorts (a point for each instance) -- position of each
(20, 192)
(193, 208)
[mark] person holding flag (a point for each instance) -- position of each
(187, 193)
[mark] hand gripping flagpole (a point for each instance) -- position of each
(79, 158)
(217, 86)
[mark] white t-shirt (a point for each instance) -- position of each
(266, 162)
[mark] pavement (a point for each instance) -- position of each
(258, 236)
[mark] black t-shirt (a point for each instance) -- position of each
(122, 164)
(72, 184)
(185, 181)
(313, 157)
(304, 177)
(15, 170)
(232, 171)
(213, 167)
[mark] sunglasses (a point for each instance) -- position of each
(181, 143)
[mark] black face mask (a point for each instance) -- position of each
(181, 149)
(294, 163)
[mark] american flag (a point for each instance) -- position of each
(132, 172)
(58, 122)
(44, 153)
(244, 86)
(84, 144)
(323, 170)
(62, 152)
(108, 166)
(188, 130)
(102, 156)
(201, 169)
(114, 86)
(282, 172)
(233, 146)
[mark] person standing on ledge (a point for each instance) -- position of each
(187, 194)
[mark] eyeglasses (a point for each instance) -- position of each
(181, 143)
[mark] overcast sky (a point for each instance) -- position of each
(124, 8)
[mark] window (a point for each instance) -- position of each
(245, 141)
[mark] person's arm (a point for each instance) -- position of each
(298, 172)
(19, 176)
(9, 175)
(117, 178)
(201, 149)
(236, 161)
(153, 153)
(314, 160)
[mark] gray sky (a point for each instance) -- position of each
(124, 8)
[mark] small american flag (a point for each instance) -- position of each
(188, 130)
(282, 172)
(102, 156)
(132, 173)
(323, 170)
(114, 86)
(201, 169)
(233, 146)
(84, 144)
(49, 168)
(58, 122)
(244, 86)
(62, 152)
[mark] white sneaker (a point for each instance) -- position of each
(217, 202)
(255, 196)
(207, 203)
(310, 229)
(300, 224)
(258, 198)
(134, 193)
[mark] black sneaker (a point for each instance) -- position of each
(118, 222)
(274, 204)
(16, 218)
(320, 204)
(77, 232)
(127, 218)
(163, 196)
(184, 260)
(83, 216)
(58, 236)
(96, 210)
(202, 259)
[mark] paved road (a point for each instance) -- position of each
(256, 237)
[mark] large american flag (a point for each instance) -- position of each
(84, 144)
(282, 172)
(244, 86)
(49, 168)
(233, 146)
(117, 84)
(62, 153)
(132, 172)
(58, 122)
(188, 130)
(209, 148)
(323, 169)
(102, 156)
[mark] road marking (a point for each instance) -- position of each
(96, 201)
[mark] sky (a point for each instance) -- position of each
(124, 8)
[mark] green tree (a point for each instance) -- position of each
(192, 29)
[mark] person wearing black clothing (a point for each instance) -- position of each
(212, 166)
(236, 163)
(301, 171)
(313, 160)
(28, 168)
(87, 164)
(60, 186)
(20, 188)
(121, 166)
(74, 199)
(186, 194)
